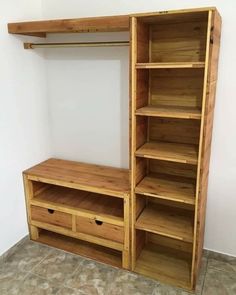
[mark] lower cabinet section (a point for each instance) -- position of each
(100, 229)
(86, 223)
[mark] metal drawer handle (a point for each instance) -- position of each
(98, 222)
(50, 211)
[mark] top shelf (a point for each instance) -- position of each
(88, 177)
(79, 25)
(170, 65)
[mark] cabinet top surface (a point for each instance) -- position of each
(115, 23)
(90, 177)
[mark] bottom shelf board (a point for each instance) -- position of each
(165, 264)
(82, 248)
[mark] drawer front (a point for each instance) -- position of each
(100, 229)
(51, 216)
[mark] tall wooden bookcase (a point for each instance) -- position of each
(85, 208)
(173, 76)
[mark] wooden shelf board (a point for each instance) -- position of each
(80, 247)
(170, 65)
(174, 152)
(167, 221)
(178, 189)
(165, 264)
(79, 25)
(169, 112)
(81, 203)
(88, 177)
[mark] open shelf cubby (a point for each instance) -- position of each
(165, 258)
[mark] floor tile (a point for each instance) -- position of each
(129, 283)
(68, 291)
(91, 278)
(219, 283)
(10, 279)
(222, 262)
(168, 290)
(35, 285)
(28, 256)
(58, 266)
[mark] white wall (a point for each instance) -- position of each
(89, 101)
(24, 133)
(221, 209)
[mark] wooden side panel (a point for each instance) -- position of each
(203, 169)
(174, 130)
(142, 88)
(141, 131)
(175, 87)
(142, 42)
(141, 169)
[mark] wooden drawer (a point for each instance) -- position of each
(51, 216)
(100, 229)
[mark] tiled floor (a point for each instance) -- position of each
(35, 269)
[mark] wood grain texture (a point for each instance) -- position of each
(177, 189)
(100, 229)
(89, 177)
(167, 221)
(174, 152)
(81, 236)
(176, 88)
(179, 42)
(174, 130)
(206, 135)
(170, 65)
(173, 169)
(75, 200)
(97, 252)
(80, 25)
(165, 264)
(169, 112)
(51, 216)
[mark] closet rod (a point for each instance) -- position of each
(77, 44)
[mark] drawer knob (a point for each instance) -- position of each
(98, 222)
(50, 211)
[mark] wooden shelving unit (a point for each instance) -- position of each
(173, 74)
(85, 206)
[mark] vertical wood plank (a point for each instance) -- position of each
(126, 251)
(212, 54)
(133, 45)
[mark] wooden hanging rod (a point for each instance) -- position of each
(75, 44)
